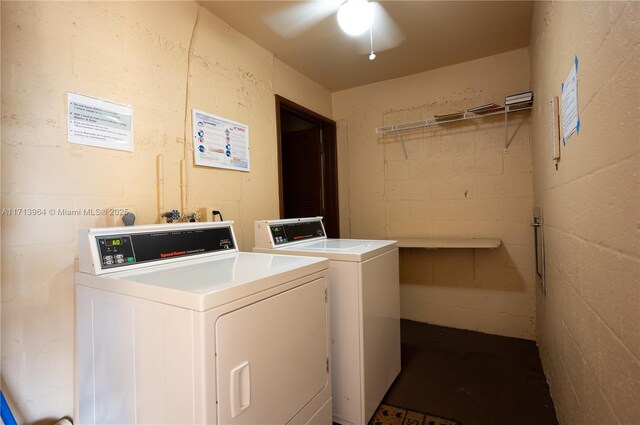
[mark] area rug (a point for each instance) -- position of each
(392, 415)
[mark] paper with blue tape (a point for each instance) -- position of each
(570, 116)
(5, 412)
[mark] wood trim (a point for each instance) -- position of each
(279, 139)
(301, 110)
(329, 136)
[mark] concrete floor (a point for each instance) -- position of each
(474, 378)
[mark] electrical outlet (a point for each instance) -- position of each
(115, 214)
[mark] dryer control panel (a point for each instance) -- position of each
(272, 233)
(125, 247)
(293, 232)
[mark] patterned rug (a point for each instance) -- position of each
(391, 415)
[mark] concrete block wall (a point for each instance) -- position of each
(135, 53)
(588, 322)
(455, 182)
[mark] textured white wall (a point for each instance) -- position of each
(134, 53)
(456, 182)
(588, 324)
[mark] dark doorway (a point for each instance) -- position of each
(308, 172)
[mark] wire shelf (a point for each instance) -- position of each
(432, 122)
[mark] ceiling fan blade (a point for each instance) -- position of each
(384, 31)
(298, 17)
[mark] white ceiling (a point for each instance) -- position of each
(436, 34)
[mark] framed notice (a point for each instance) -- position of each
(219, 142)
(98, 122)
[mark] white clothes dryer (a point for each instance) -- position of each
(174, 325)
(365, 309)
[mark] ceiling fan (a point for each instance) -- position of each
(365, 20)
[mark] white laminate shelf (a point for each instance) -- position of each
(436, 243)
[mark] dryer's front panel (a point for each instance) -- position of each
(272, 356)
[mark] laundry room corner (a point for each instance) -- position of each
(462, 180)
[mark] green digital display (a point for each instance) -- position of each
(113, 242)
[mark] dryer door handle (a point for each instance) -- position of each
(240, 389)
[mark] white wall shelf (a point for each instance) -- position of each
(462, 116)
(436, 243)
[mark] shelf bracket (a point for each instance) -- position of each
(506, 132)
(404, 149)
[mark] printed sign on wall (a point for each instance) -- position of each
(570, 118)
(221, 143)
(98, 122)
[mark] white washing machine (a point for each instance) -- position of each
(365, 309)
(174, 325)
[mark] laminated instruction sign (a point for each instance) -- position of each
(98, 122)
(221, 143)
(570, 118)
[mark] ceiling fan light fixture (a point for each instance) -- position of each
(355, 16)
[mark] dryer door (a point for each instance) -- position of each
(271, 356)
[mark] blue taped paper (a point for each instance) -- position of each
(5, 412)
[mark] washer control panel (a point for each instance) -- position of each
(129, 247)
(115, 250)
(294, 232)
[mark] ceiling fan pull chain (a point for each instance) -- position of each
(372, 56)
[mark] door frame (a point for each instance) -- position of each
(328, 136)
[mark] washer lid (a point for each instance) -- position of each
(337, 249)
(207, 283)
(339, 245)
